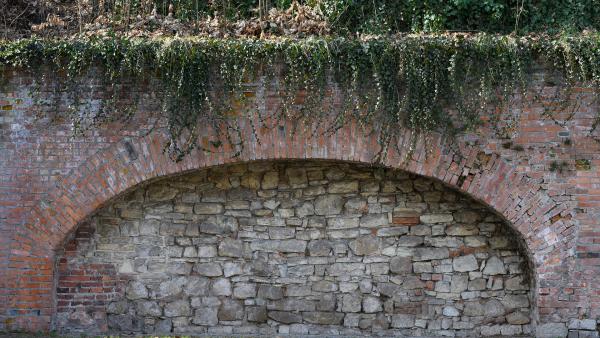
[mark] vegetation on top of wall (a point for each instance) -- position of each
(343, 17)
(493, 16)
(427, 83)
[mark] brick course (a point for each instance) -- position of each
(50, 182)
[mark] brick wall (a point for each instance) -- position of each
(539, 181)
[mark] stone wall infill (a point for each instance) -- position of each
(295, 247)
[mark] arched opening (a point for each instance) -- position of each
(301, 247)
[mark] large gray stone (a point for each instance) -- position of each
(518, 318)
(244, 290)
(178, 308)
(493, 308)
(326, 302)
(257, 314)
(207, 251)
(304, 210)
(515, 283)
(231, 310)
(477, 284)
(515, 301)
(467, 216)
(124, 322)
(298, 290)
(148, 308)
(371, 304)
(426, 254)
(160, 193)
(209, 269)
(356, 206)
(422, 267)
(292, 245)
(450, 311)
(380, 323)
(374, 220)
(136, 290)
(338, 223)
(343, 187)
(221, 287)
(270, 292)
(474, 308)
(436, 218)
(206, 316)
(164, 326)
(365, 245)
(285, 317)
(410, 241)
(232, 269)
(465, 263)
(494, 266)
(117, 308)
(346, 269)
(241, 194)
(219, 225)
(291, 304)
(324, 318)
(551, 330)
(281, 233)
(270, 180)
(319, 247)
(231, 248)
(324, 286)
(582, 324)
(208, 208)
(459, 283)
(179, 268)
(402, 321)
(196, 286)
(297, 177)
(462, 230)
(171, 289)
(401, 265)
(351, 303)
(329, 205)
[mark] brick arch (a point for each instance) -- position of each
(487, 178)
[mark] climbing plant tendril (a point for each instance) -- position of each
(426, 83)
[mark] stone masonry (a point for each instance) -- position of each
(295, 247)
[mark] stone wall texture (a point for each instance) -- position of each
(301, 248)
(539, 176)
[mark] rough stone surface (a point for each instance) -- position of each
(307, 248)
(551, 330)
(465, 263)
(494, 266)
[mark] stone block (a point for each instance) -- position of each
(206, 316)
(285, 317)
(231, 310)
(179, 308)
(402, 321)
(323, 318)
(551, 330)
(465, 263)
(328, 205)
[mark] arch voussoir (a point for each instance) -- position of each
(126, 164)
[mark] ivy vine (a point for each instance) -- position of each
(427, 83)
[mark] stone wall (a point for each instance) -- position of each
(295, 247)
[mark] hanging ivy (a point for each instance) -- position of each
(427, 83)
